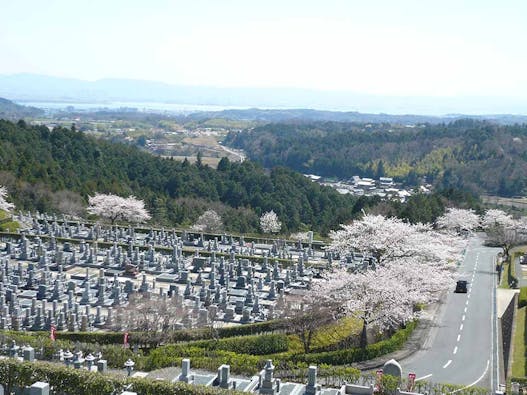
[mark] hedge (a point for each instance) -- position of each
(203, 359)
(153, 339)
(81, 382)
(254, 345)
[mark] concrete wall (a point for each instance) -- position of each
(505, 327)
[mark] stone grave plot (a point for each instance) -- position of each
(42, 224)
(84, 286)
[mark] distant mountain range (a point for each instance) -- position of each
(32, 87)
(308, 115)
(12, 111)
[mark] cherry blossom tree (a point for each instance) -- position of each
(210, 221)
(382, 299)
(269, 222)
(387, 239)
(414, 265)
(113, 208)
(301, 236)
(4, 204)
(458, 220)
(503, 230)
(497, 218)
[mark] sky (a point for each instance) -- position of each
(401, 48)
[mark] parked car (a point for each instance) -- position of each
(461, 286)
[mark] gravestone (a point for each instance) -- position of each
(39, 388)
(266, 377)
(224, 376)
(312, 388)
(392, 368)
(185, 371)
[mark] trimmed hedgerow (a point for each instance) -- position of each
(81, 382)
(153, 339)
(254, 345)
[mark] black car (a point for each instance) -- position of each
(461, 286)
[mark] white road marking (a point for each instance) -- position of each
(475, 382)
(458, 337)
(455, 350)
(446, 364)
(463, 318)
(461, 327)
(424, 377)
(466, 303)
(466, 309)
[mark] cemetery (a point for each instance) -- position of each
(85, 283)
(140, 304)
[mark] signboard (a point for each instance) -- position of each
(378, 381)
(411, 382)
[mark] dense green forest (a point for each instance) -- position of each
(470, 155)
(56, 170)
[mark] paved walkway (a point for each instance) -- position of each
(414, 343)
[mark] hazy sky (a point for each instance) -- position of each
(422, 47)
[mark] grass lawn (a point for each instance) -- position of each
(328, 335)
(518, 354)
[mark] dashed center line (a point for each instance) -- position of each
(424, 377)
(458, 337)
(463, 318)
(461, 327)
(446, 364)
(455, 350)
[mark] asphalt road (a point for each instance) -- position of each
(461, 346)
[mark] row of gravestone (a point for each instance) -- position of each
(162, 238)
(202, 283)
(40, 225)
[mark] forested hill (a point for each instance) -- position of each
(465, 154)
(39, 166)
(311, 115)
(10, 110)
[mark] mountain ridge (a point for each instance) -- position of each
(34, 87)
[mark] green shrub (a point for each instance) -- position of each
(254, 345)
(63, 380)
(202, 359)
(153, 339)
(81, 382)
(9, 226)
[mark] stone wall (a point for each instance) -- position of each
(506, 325)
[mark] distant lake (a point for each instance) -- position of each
(140, 106)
